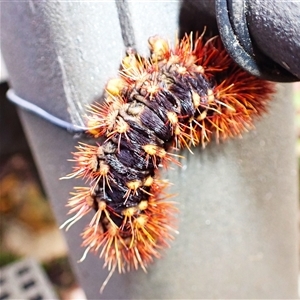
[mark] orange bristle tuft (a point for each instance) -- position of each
(178, 97)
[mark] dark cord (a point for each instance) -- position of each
(125, 23)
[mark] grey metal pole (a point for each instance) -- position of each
(238, 201)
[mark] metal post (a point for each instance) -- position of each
(238, 200)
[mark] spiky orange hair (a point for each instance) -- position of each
(178, 97)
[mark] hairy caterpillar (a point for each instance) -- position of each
(178, 97)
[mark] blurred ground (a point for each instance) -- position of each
(27, 226)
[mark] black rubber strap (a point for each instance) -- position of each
(232, 23)
(24, 104)
(237, 15)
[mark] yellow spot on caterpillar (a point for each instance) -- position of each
(121, 125)
(134, 185)
(210, 96)
(130, 211)
(115, 86)
(148, 181)
(181, 70)
(172, 117)
(141, 221)
(202, 116)
(199, 69)
(152, 89)
(101, 205)
(143, 205)
(159, 48)
(104, 168)
(155, 150)
(196, 99)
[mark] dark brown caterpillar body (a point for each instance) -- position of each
(177, 98)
